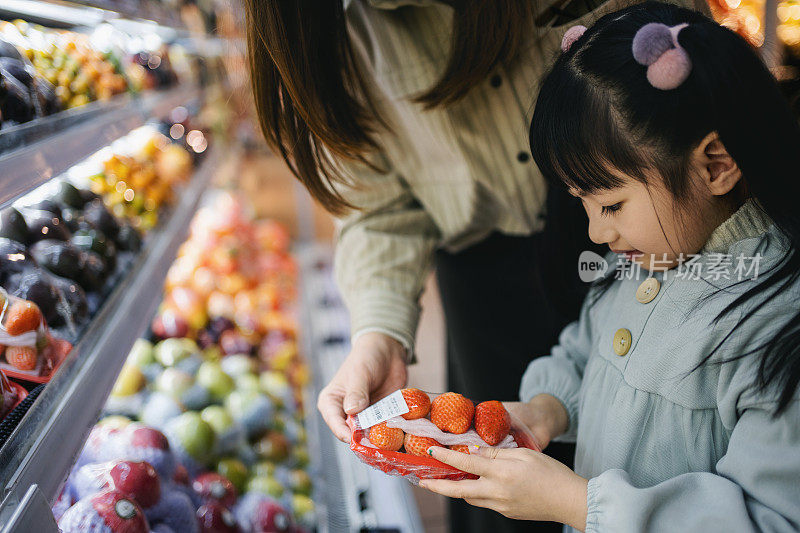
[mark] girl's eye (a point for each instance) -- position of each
(611, 209)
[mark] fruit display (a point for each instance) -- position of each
(213, 409)
(28, 349)
(394, 434)
(62, 253)
(136, 185)
(230, 284)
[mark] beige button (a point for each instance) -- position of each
(622, 341)
(648, 290)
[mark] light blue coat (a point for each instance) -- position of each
(664, 448)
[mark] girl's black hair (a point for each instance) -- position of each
(596, 111)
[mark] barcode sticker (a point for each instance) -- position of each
(390, 407)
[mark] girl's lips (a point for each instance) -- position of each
(629, 254)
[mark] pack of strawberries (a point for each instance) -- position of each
(394, 434)
(29, 352)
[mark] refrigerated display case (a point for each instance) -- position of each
(42, 438)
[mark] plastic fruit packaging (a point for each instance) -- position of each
(394, 434)
(29, 351)
(11, 394)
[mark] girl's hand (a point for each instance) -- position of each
(518, 483)
(544, 415)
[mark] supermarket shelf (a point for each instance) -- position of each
(44, 447)
(354, 497)
(82, 13)
(34, 152)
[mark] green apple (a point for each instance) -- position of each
(212, 353)
(236, 471)
(263, 468)
(238, 364)
(303, 508)
(211, 376)
(266, 485)
(170, 351)
(141, 353)
(114, 421)
(194, 434)
(248, 382)
(189, 345)
(174, 382)
(218, 418)
(129, 382)
(275, 384)
(300, 482)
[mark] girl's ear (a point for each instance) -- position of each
(718, 170)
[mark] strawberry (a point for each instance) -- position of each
(386, 438)
(463, 448)
(418, 403)
(21, 357)
(22, 316)
(416, 445)
(492, 422)
(452, 412)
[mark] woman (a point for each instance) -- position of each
(409, 119)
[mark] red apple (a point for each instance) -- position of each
(215, 518)
(212, 486)
(137, 480)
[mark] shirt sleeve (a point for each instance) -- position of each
(383, 253)
(560, 374)
(755, 487)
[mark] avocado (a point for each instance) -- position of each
(35, 286)
(96, 214)
(45, 225)
(128, 238)
(14, 259)
(60, 258)
(69, 195)
(50, 206)
(13, 225)
(95, 241)
(93, 272)
(77, 307)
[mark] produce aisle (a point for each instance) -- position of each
(167, 309)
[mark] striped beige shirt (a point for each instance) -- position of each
(453, 175)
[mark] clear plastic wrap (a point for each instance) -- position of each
(392, 412)
(29, 351)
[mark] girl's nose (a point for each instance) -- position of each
(601, 231)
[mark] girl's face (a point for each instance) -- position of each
(647, 225)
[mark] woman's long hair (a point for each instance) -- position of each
(596, 111)
(312, 102)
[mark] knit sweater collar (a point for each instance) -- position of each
(749, 220)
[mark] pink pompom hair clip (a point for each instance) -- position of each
(656, 46)
(572, 35)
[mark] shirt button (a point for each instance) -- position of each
(622, 341)
(495, 81)
(648, 290)
(523, 157)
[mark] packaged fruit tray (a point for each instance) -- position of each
(413, 420)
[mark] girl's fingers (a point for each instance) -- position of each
(466, 489)
(474, 464)
(494, 453)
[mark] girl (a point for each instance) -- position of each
(681, 386)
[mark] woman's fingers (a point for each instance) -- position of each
(467, 489)
(329, 404)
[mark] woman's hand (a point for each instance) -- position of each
(375, 367)
(518, 483)
(544, 415)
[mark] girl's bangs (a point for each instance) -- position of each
(576, 138)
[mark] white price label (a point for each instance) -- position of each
(390, 407)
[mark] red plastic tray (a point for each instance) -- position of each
(415, 466)
(53, 355)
